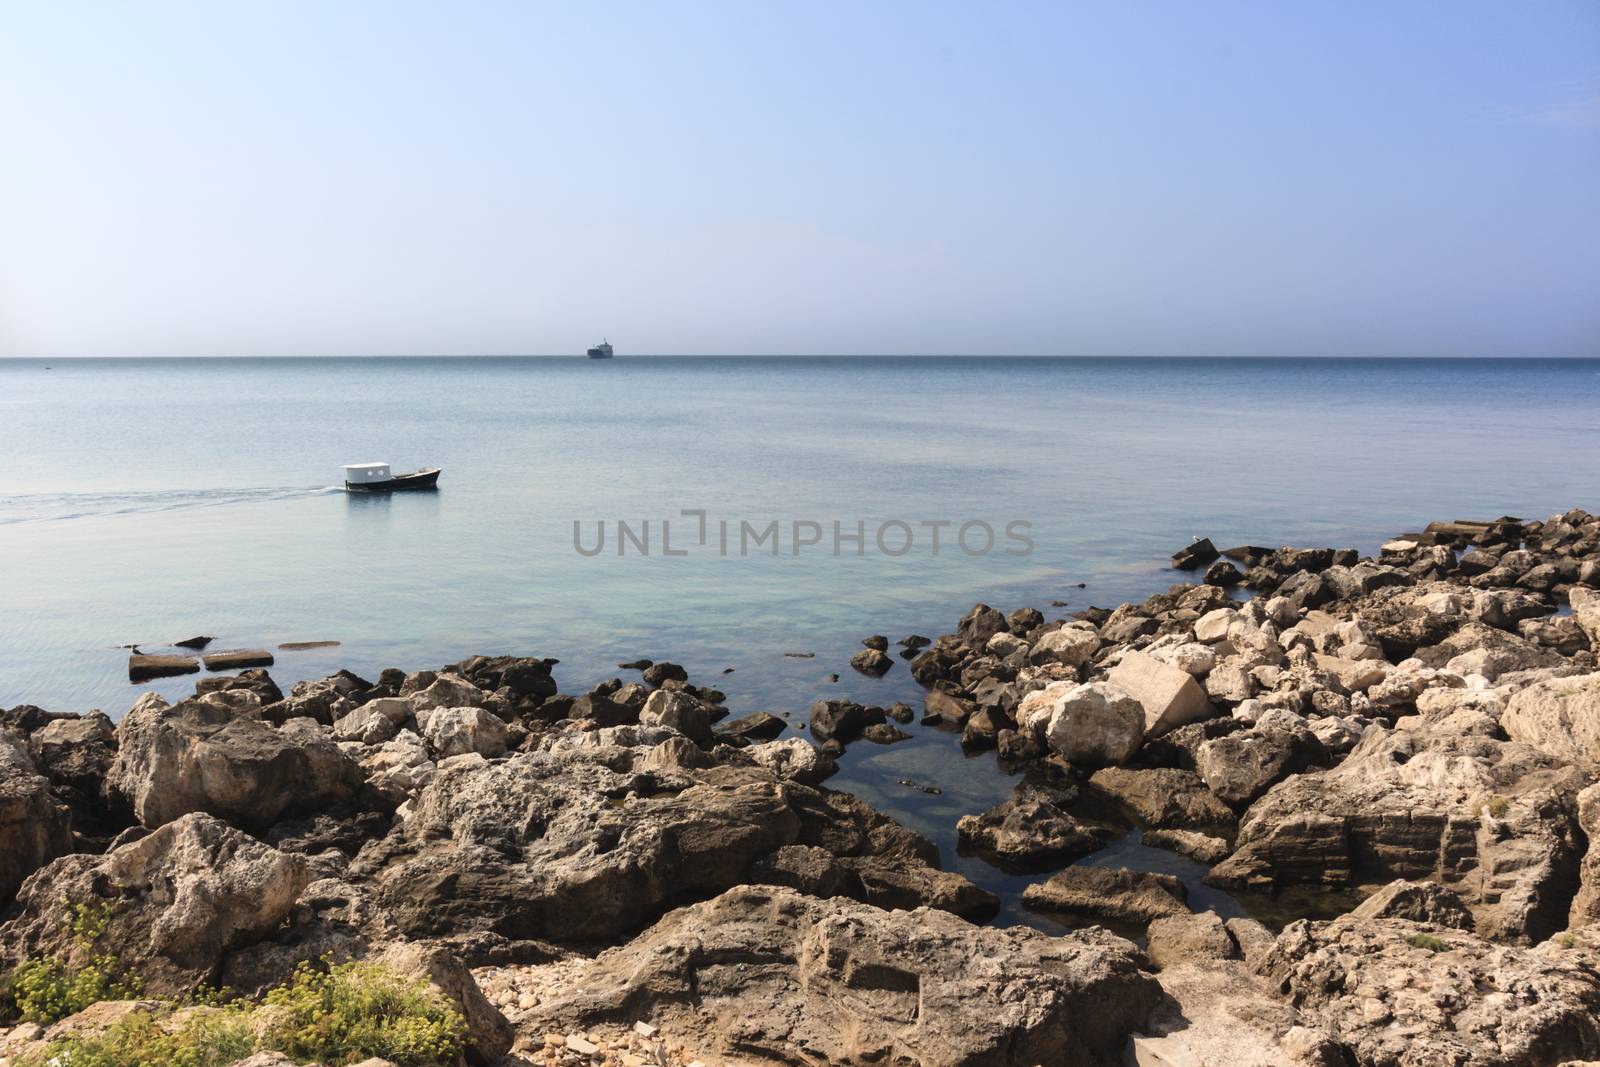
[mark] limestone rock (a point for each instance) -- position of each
(1110, 893)
(1190, 938)
(1096, 724)
(768, 975)
(196, 757)
(1560, 716)
(456, 731)
(1489, 819)
(1394, 992)
(35, 827)
(1163, 797)
(1032, 828)
(178, 899)
(1170, 697)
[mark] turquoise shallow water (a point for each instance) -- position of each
(148, 500)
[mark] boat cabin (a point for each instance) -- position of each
(366, 473)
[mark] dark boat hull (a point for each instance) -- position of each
(424, 479)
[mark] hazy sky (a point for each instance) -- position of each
(1111, 178)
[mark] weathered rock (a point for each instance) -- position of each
(871, 661)
(1163, 797)
(35, 828)
(1110, 893)
(1031, 829)
(768, 975)
(374, 722)
(1196, 554)
(1586, 904)
(1396, 993)
(980, 624)
(1242, 766)
(1096, 724)
(1190, 938)
(562, 846)
(1169, 696)
(178, 900)
(456, 731)
(755, 727)
(1489, 819)
(1420, 902)
(449, 691)
(142, 668)
(237, 659)
(794, 759)
(76, 754)
(945, 709)
(195, 757)
(678, 711)
(658, 674)
(841, 720)
(1560, 716)
(1203, 848)
(1071, 645)
(489, 1034)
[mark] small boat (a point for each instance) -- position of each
(377, 478)
(601, 351)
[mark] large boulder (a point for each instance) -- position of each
(1163, 798)
(1072, 645)
(766, 975)
(176, 901)
(457, 731)
(1560, 716)
(1492, 820)
(585, 842)
(1096, 724)
(35, 827)
(1169, 695)
(1241, 766)
(542, 845)
(75, 753)
(1397, 993)
(197, 757)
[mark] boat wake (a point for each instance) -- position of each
(60, 507)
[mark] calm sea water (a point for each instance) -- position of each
(150, 500)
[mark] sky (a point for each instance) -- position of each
(1114, 178)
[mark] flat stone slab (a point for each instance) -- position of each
(142, 667)
(301, 646)
(238, 659)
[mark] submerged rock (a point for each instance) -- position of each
(1110, 893)
(1031, 829)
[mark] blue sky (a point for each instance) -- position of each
(286, 178)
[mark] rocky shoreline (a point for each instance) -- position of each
(633, 875)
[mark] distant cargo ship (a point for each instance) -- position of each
(601, 351)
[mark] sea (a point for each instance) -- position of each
(752, 518)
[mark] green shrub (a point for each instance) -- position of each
(46, 990)
(211, 1038)
(1497, 806)
(43, 991)
(331, 1015)
(1567, 940)
(1427, 941)
(351, 1012)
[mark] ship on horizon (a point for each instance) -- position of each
(601, 351)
